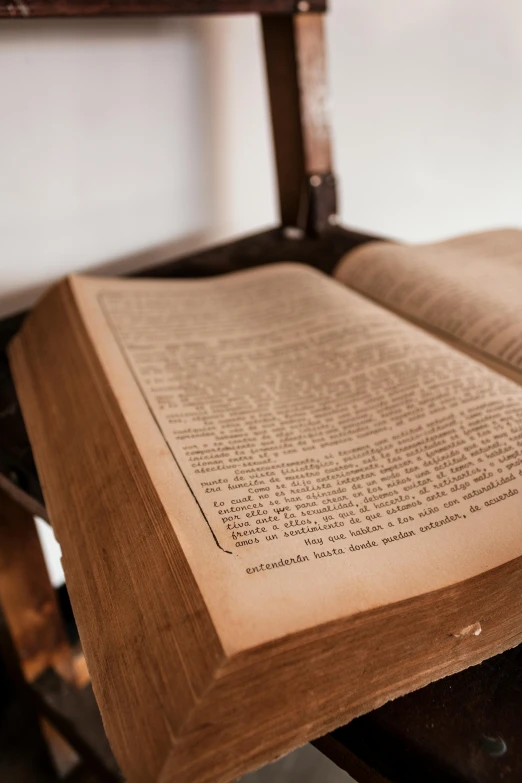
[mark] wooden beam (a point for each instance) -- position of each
(283, 88)
(313, 91)
(25, 9)
(74, 713)
(34, 507)
(340, 755)
(27, 596)
(296, 71)
(24, 755)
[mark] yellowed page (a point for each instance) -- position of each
(316, 454)
(468, 289)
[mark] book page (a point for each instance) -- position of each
(317, 455)
(467, 289)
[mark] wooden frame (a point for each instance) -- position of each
(453, 730)
(27, 596)
(296, 71)
(25, 9)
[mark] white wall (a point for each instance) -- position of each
(428, 114)
(122, 143)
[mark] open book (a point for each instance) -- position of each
(279, 503)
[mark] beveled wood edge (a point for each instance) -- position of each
(343, 758)
(27, 502)
(436, 619)
(192, 675)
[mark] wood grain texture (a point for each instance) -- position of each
(296, 72)
(298, 688)
(130, 627)
(285, 111)
(27, 596)
(313, 89)
(74, 712)
(27, 9)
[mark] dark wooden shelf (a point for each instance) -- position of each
(462, 729)
(74, 712)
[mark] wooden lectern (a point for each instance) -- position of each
(465, 728)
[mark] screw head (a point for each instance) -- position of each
(292, 232)
(333, 220)
(315, 180)
(303, 6)
(494, 746)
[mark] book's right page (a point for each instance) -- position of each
(467, 289)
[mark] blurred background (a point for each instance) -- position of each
(124, 143)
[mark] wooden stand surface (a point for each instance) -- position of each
(463, 729)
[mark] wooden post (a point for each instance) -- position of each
(27, 596)
(296, 71)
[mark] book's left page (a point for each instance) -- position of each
(317, 456)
